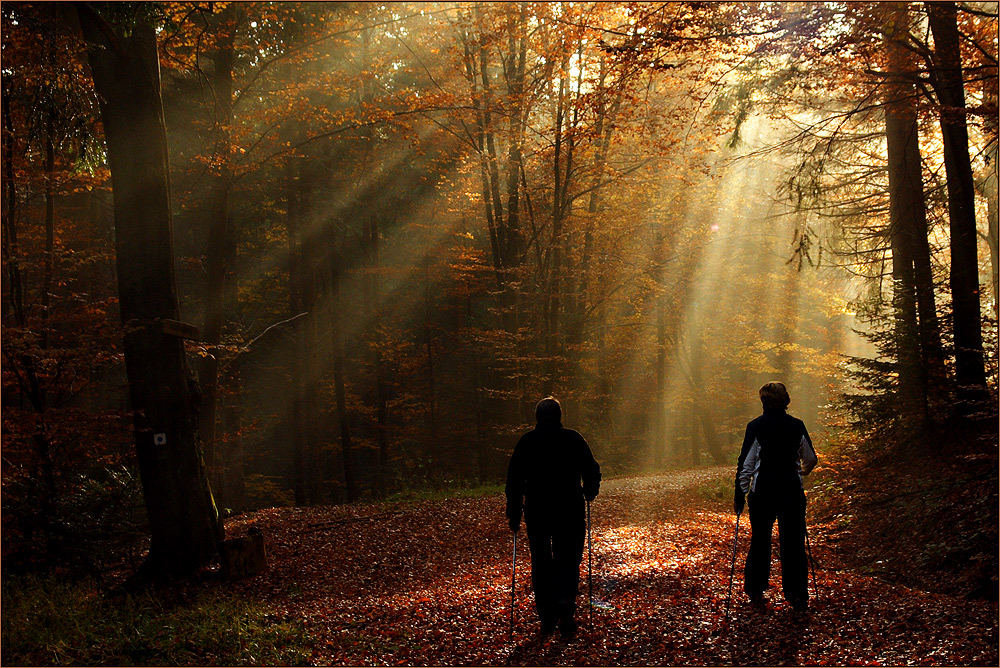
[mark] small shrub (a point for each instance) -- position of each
(719, 489)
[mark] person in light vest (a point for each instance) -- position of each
(777, 454)
(551, 476)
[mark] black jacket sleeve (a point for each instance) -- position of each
(515, 483)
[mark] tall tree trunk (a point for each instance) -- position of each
(372, 308)
(553, 305)
(11, 250)
(517, 44)
(911, 387)
(711, 437)
(216, 269)
(339, 387)
(988, 186)
(50, 225)
(296, 306)
(492, 167)
(432, 418)
(947, 78)
(184, 526)
(693, 430)
(918, 331)
(659, 405)
(905, 184)
(484, 174)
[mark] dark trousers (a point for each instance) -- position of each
(556, 553)
(789, 510)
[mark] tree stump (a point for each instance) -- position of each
(244, 556)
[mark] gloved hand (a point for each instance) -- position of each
(515, 524)
(738, 501)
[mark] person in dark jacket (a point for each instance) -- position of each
(776, 454)
(551, 473)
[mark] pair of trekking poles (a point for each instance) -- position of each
(732, 568)
(590, 572)
(590, 579)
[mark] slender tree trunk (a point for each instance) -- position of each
(947, 77)
(517, 44)
(555, 265)
(910, 381)
(11, 249)
(659, 405)
(297, 429)
(50, 225)
(988, 186)
(484, 174)
(693, 430)
(491, 152)
(920, 354)
(339, 387)
(711, 436)
(432, 421)
(373, 318)
(184, 526)
(993, 235)
(216, 269)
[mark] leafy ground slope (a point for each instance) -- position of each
(428, 583)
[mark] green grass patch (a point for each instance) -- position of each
(719, 489)
(50, 622)
(446, 493)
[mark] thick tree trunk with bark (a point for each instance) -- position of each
(970, 372)
(184, 527)
(905, 195)
(918, 337)
(911, 389)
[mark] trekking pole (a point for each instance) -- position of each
(812, 565)
(732, 568)
(590, 573)
(513, 571)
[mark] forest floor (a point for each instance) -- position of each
(429, 583)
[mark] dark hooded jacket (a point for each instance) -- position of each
(551, 472)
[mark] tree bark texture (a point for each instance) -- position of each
(947, 78)
(908, 223)
(184, 527)
(905, 196)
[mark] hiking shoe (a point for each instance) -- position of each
(757, 601)
(548, 626)
(799, 605)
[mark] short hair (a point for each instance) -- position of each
(548, 410)
(774, 396)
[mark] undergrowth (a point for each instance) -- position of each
(50, 622)
(921, 512)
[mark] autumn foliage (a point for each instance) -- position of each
(397, 226)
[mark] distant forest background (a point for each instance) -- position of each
(396, 227)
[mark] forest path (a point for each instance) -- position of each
(428, 583)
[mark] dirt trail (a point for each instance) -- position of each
(428, 583)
